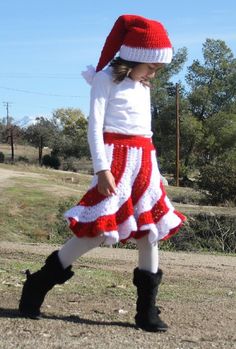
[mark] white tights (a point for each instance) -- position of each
(148, 257)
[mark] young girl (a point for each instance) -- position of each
(126, 199)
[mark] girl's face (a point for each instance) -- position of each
(143, 72)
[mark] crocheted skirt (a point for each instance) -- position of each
(140, 205)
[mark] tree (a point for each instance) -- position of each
(163, 110)
(217, 159)
(73, 126)
(42, 134)
(220, 181)
(191, 135)
(161, 97)
(219, 138)
(9, 133)
(213, 83)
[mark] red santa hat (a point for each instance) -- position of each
(137, 39)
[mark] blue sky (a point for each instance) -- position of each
(45, 44)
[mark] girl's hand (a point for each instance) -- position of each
(106, 183)
(146, 83)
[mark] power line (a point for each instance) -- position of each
(25, 76)
(40, 93)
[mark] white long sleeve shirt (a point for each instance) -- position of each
(116, 107)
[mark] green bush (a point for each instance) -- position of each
(51, 161)
(205, 232)
(70, 164)
(201, 233)
(220, 182)
(23, 159)
(2, 157)
(61, 232)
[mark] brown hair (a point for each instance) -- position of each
(121, 68)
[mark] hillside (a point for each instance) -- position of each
(29, 199)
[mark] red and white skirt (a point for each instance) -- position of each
(140, 205)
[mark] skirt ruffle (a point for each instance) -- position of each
(140, 205)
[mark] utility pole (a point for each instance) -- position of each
(6, 104)
(177, 132)
(10, 129)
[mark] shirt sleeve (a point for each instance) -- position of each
(99, 96)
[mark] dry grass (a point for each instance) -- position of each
(29, 200)
(27, 151)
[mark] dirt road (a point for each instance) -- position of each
(197, 298)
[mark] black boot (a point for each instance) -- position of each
(147, 316)
(39, 283)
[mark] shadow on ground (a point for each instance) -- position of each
(14, 313)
